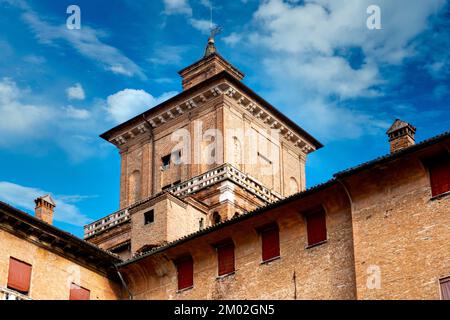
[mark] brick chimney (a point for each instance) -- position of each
(401, 135)
(45, 208)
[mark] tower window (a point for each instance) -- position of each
(185, 271)
(316, 227)
(201, 223)
(270, 240)
(149, 217)
(216, 218)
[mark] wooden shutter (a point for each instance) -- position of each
(440, 175)
(316, 227)
(270, 243)
(445, 289)
(185, 268)
(19, 277)
(225, 256)
(79, 293)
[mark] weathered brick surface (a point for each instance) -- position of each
(52, 274)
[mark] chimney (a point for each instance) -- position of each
(401, 135)
(45, 208)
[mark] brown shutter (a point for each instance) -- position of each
(316, 227)
(19, 277)
(445, 289)
(440, 175)
(79, 293)
(225, 256)
(185, 268)
(270, 239)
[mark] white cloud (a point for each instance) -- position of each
(76, 92)
(23, 197)
(232, 39)
(128, 103)
(177, 7)
(168, 55)
(202, 25)
(86, 41)
(75, 113)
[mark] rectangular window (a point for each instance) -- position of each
(316, 227)
(185, 270)
(270, 239)
(445, 289)
(149, 217)
(166, 162)
(79, 293)
(440, 175)
(19, 277)
(225, 258)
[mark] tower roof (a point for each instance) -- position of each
(47, 198)
(400, 124)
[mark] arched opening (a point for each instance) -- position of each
(216, 218)
(293, 186)
(134, 187)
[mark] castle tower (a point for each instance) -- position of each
(401, 135)
(217, 148)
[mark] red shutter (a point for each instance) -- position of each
(79, 293)
(316, 227)
(185, 269)
(440, 175)
(270, 243)
(225, 256)
(445, 289)
(19, 277)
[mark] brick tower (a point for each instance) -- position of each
(213, 151)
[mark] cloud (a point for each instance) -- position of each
(177, 7)
(168, 55)
(86, 41)
(321, 58)
(74, 113)
(23, 197)
(202, 25)
(75, 92)
(128, 103)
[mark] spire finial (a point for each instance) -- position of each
(211, 47)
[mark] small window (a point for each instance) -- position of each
(201, 223)
(216, 218)
(270, 240)
(19, 277)
(185, 271)
(440, 175)
(225, 258)
(166, 162)
(79, 293)
(316, 227)
(149, 217)
(445, 288)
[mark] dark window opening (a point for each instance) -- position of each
(216, 218)
(316, 227)
(201, 223)
(185, 271)
(149, 217)
(79, 293)
(445, 288)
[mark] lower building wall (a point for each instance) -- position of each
(322, 272)
(52, 274)
(401, 235)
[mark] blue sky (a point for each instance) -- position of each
(315, 60)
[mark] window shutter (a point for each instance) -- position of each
(185, 269)
(445, 289)
(19, 277)
(79, 293)
(440, 175)
(316, 227)
(270, 243)
(225, 255)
